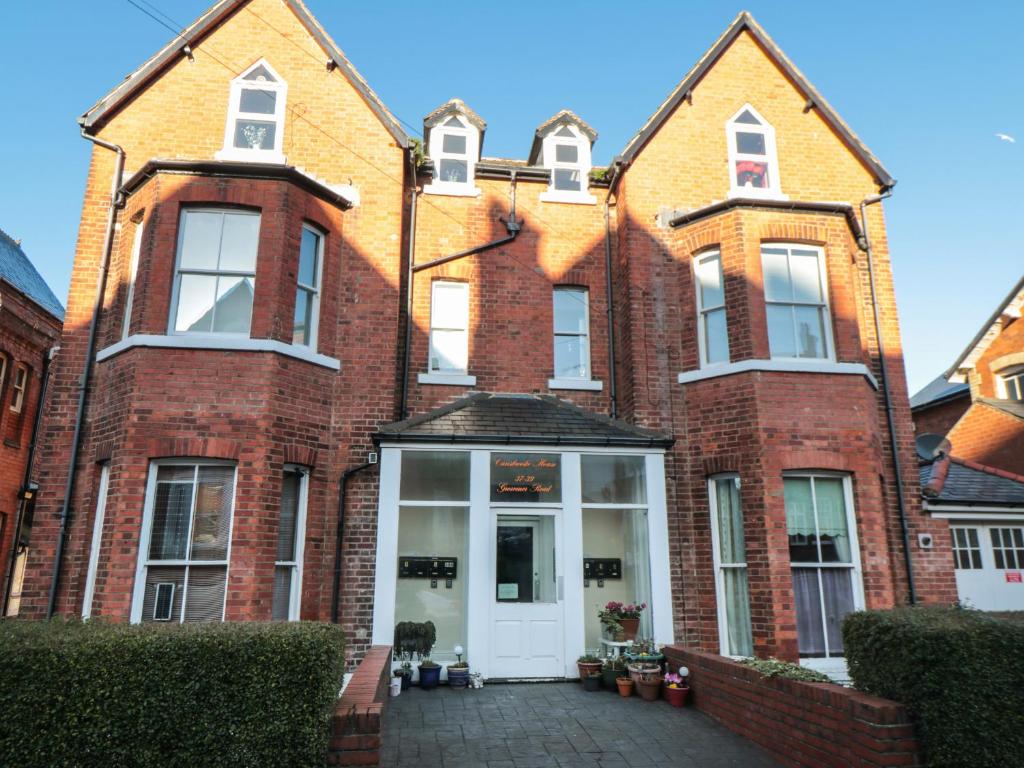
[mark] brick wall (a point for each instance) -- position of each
(357, 719)
(989, 436)
(803, 725)
(939, 419)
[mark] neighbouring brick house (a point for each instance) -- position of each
(30, 323)
(658, 381)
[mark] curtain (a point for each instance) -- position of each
(730, 521)
(737, 611)
(838, 602)
(639, 553)
(831, 508)
(807, 597)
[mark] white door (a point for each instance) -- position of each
(989, 561)
(527, 595)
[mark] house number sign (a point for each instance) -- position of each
(526, 477)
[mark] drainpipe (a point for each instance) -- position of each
(83, 384)
(512, 225)
(342, 484)
(612, 392)
(865, 245)
(403, 409)
(27, 479)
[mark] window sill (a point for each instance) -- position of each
(574, 198)
(781, 366)
(755, 193)
(451, 379)
(250, 155)
(452, 190)
(222, 343)
(581, 384)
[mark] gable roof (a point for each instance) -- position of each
(952, 480)
(174, 50)
(16, 269)
(519, 419)
(745, 23)
(454, 107)
(562, 117)
(1012, 306)
(938, 390)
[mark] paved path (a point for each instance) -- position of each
(554, 724)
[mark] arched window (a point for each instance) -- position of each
(753, 162)
(255, 127)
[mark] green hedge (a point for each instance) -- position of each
(959, 672)
(74, 694)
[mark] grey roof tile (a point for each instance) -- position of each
(1012, 407)
(936, 390)
(970, 483)
(17, 270)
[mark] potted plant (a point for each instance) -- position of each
(430, 673)
(621, 619)
(625, 685)
(588, 665)
(614, 668)
(458, 674)
(414, 638)
(648, 683)
(676, 689)
(592, 682)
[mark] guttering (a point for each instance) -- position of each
(753, 203)
(864, 243)
(237, 170)
(116, 202)
(340, 539)
(613, 404)
(508, 439)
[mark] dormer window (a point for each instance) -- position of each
(255, 127)
(753, 163)
(566, 152)
(454, 145)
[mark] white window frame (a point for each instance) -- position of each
(828, 662)
(703, 311)
(19, 387)
(464, 288)
(435, 149)
(144, 563)
(312, 290)
(716, 549)
(1010, 552)
(823, 305)
(1011, 383)
(97, 540)
(173, 319)
(583, 336)
(770, 158)
(966, 549)
(583, 164)
(239, 84)
(3, 374)
(295, 596)
(133, 269)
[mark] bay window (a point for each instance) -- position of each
(307, 291)
(728, 544)
(290, 538)
(713, 337)
(796, 302)
(186, 542)
(215, 273)
(823, 558)
(255, 125)
(133, 269)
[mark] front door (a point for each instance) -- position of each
(527, 613)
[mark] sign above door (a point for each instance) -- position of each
(526, 477)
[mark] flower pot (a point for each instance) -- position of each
(644, 671)
(677, 696)
(592, 683)
(625, 685)
(396, 685)
(650, 689)
(608, 678)
(429, 676)
(630, 627)
(588, 668)
(458, 677)
(406, 679)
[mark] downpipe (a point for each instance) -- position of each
(340, 537)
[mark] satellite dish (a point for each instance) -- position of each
(931, 446)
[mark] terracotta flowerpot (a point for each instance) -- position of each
(650, 690)
(625, 686)
(677, 696)
(629, 628)
(587, 668)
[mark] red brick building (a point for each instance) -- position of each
(30, 322)
(660, 381)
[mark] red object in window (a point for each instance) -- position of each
(749, 172)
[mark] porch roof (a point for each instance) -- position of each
(952, 480)
(484, 417)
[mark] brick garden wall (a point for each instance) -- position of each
(358, 715)
(803, 725)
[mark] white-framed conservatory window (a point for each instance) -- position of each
(454, 147)
(255, 125)
(291, 535)
(796, 302)
(824, 559)
(215, 272)
(1012, 383)
(186, 542)
(729, 546)
(133, 269)
(753, 160)
(307, 291)
(449, 327)
(572, 332)
(713, 333)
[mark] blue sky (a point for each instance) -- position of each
(926, 85)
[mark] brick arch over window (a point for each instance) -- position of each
(803, 232)
(998, 365)
(798, 459)
(193, 447)
(302, 455)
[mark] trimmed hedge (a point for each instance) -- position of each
(74, 694)
(959, 673)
